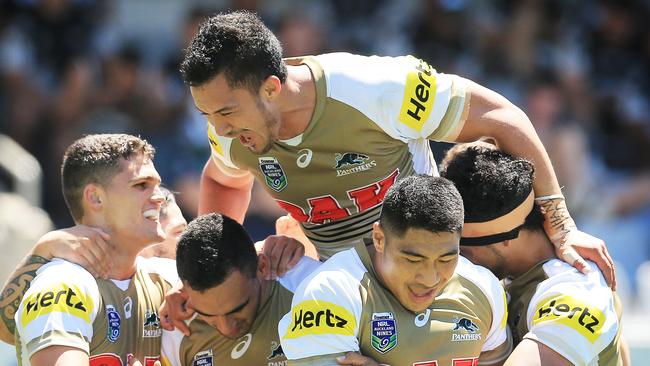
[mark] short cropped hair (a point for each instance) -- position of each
(96, 159)
(211, 248)
(239, 45)
(422, 202)
(491, 182)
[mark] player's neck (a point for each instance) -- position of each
(297, 101)
(530, 248)
(123, 267)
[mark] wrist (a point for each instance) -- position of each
(557, 220)
(44, 246)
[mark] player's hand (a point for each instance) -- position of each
(288, 226)
(283, 253)
(571, 244)
(175, 310)
(579, 246)
(132, 361)
(355, 359)
(84, 245)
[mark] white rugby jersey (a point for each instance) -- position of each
(371, 125)
(108, 319)
(343, 307)
(572, 313)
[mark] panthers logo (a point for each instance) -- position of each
(349, 159)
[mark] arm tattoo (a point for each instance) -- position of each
(15, 288)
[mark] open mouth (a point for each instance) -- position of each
(420, 296)
(152, 214)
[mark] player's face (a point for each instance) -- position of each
(132, 202)
(416, 266)
(231, 306)
(238, 113)
(488, 256)
(173, 223)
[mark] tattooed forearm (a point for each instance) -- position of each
(13, 292)
(557, 220)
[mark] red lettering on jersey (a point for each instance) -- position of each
(472, 361)
(106, 359)
(455, 362)
(325, 209)
(150, 360)
(295, 211)
(373, 194)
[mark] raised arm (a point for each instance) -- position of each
(491, 115)
(225, 190)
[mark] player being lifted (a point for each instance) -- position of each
(328, 135)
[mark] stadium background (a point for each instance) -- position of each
(580, 69)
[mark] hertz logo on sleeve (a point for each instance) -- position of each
(571, 312)
(419, 94)
(62, 299)
(320, 317)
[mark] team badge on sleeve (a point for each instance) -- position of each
(114, 323)
(273, 173)
(384, 332)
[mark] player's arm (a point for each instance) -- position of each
(14, 290)
(80, 244)
(489, 114)
(532, 353)
(333, 298)
(225, 190)
(60, 356)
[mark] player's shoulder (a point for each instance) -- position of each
(480, 276)
(292, 279)
(59, 271)
(164, 267)
(564, 278)
(345, 70)
(341, 272)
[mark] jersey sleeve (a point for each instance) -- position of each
(324, 316)
(58, 309)
(573, 313)
(170, 347)
(297, 274)
(220, 153)
(405, 96)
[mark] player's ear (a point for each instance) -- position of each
(263, 266)
(378, 237)
(271, 88)
(93, 197)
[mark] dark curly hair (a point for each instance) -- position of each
(491, 182)
(239, 45)
(422, 202)
(211, 248)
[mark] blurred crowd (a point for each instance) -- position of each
(580, 69)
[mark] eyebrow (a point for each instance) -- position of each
(220, 110)
(145, 178)
(238, 308)
(418, 255)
